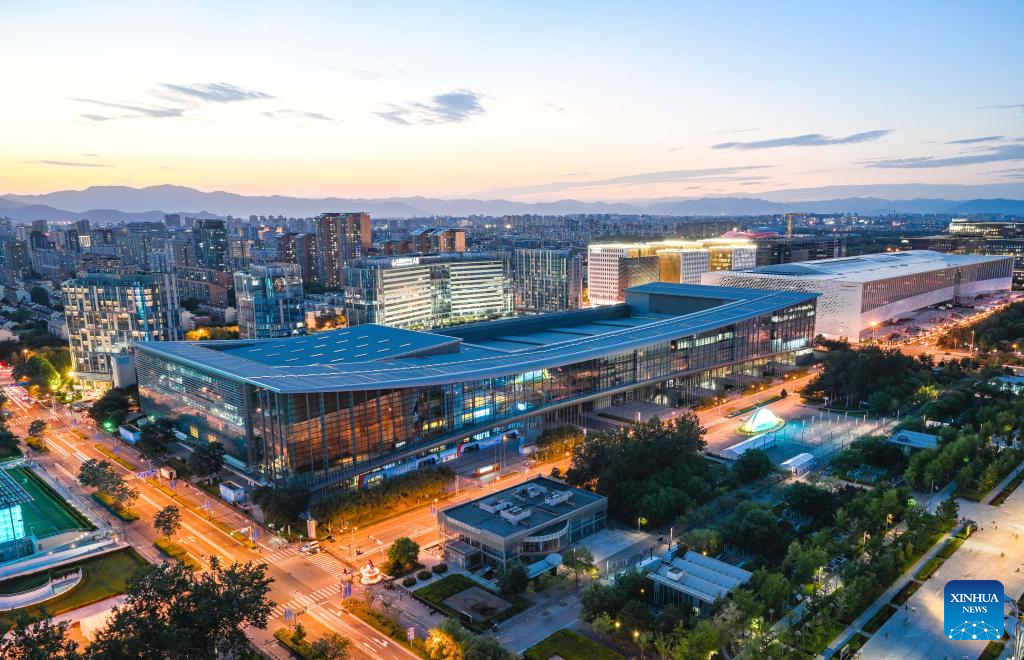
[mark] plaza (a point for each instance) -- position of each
(992, 553)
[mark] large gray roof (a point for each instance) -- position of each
(870, 267)
(373, 356)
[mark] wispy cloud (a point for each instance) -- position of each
(1007, 152)
(1002, 106)
(63, 163)
(667, 176)
(450, 108)
(987, 138)
(298, 114)
(133, 110)
(221, 92)
(808, 140)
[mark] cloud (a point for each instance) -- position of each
(1003, 106)
(299, 114)
(154, 111)
(667, 176)
(63, 163)
(449, 108)
(1013, 151)
(215, 92)
(987, 138)
(808, 140)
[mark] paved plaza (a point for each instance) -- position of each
(996, 552)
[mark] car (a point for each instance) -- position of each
(329, 538)
(310, 548)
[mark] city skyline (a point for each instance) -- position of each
(526, 104)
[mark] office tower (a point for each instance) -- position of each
(208, 286)
(270, 303)
(342, 237)
(210, 238)
(426, 292)
(300, 249)
(612, 268)
(683, 265)
(107, 312)
(40, 226)
(775, 249)
(172, 220)
(547, 280)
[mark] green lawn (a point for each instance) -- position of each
(103, 577)
(571, 646)
(47, 513)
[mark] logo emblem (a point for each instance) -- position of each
(974, 610)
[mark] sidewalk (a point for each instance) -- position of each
(884, 599)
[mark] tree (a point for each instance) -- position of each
(578, 560)
(480, 647)
(39, 296)
(44, 374)
(43, 639)
(752, 465)
(167, 520)
(948, 511)
(442, 645)
(123, 494)
(282, 504)
(513, 579)
(96, 473)
(299, 634)
(331, 646)
(403, 554)
(157, 436)
(173, 613)
(208, 459)
(37, 427)
(112, 408)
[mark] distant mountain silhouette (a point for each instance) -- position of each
(121, 203)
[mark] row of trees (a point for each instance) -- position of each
(649, 471)
(1000, 332)
(170, 612)
(392, 496)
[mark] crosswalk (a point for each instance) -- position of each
(328, 564)
(303, 601)
(281, 555)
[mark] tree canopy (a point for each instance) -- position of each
(650, 470)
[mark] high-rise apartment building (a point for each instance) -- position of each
(210, 238)
(300, 249)
(106, 313)
(342, 237)
(612, 268)
(270, 302)
(547, 280)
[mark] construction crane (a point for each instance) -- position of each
(789, 224)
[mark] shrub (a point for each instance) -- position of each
(408, 580)
(929, 568)
(36, 443)
(424, 575)
(440, 568)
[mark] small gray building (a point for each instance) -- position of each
(525, 522)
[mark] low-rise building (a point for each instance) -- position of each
(523, 523)
(694, 581)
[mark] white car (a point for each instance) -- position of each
(310, 548)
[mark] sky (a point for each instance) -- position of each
(521, 100)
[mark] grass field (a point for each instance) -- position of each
(102, 578)
(47, 513)
(571, 646)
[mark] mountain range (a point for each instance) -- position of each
(122, 203)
